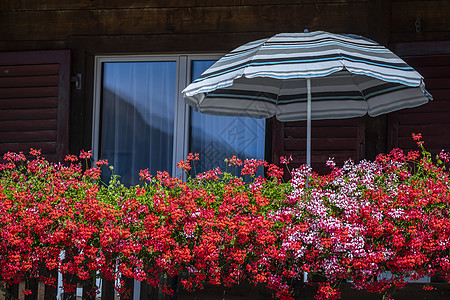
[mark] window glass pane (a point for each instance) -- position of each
(218, 137)
(137, 121)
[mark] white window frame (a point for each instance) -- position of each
(182, 110)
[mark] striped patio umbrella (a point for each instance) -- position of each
(312, 76)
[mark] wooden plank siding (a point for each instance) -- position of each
(34, 89)
(431, 119)
(432, 15)
(342, 139)
(118, 4)
(20, 25)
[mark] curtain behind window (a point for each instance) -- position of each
(217, 137)
(138, 117)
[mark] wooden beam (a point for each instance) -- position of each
(60, 24)
(28, 103)
(29, 70)
(31, 45)
(25, 5)
(379, 20)
(422, 48)
(361, 140)
(277, 140)
(321, 144)
(28, 114)
(29, 81)
(46, 147)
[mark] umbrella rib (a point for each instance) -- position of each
(352, 76)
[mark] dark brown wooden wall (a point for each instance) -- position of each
(93, 27)
(339, 139)
(432, 120)
(29, 24)
(432, 16)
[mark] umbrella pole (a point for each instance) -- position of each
(308, 140)
(308, 122)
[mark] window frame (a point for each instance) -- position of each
(182, 110)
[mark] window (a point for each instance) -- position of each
(219, 137)
(141, 120)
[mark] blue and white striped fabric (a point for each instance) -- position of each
(350, 76)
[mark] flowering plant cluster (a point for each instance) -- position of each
(355, 223)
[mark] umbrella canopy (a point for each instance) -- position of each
(342, 76)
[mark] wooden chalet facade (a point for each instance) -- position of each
(418, 31)
(48, 51)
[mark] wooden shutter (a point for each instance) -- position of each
(431, 119)
(341, 139)
(34, 99)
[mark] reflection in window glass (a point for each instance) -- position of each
(138, 100)
(218, 137)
